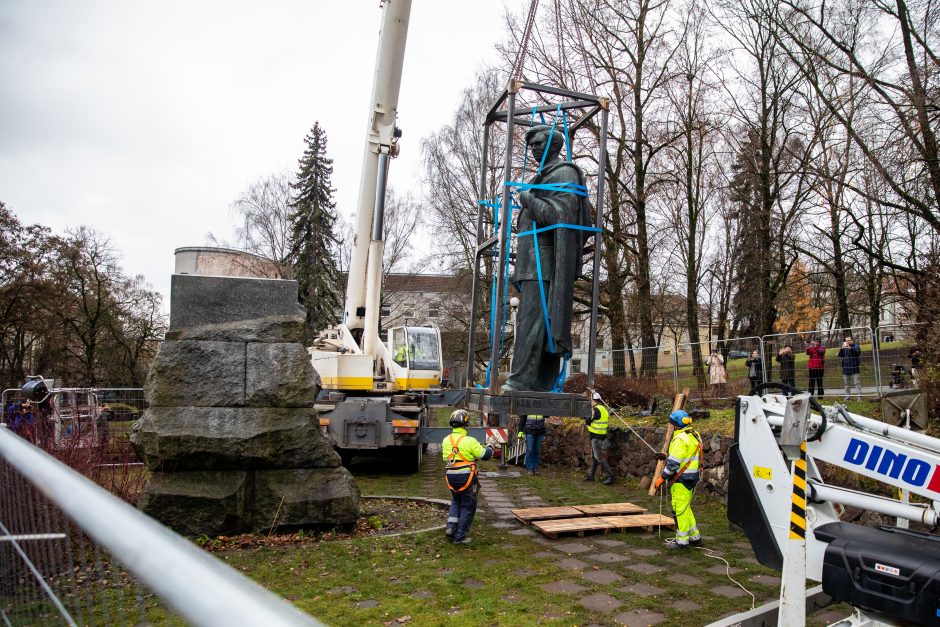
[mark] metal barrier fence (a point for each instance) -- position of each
(73, 554)
(897, 355)
(77, 417)
(838, 357)
(885, 358)
(722, 369)
(654, 365)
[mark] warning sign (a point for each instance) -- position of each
(500, 435)
(763, 473)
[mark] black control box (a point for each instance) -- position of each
(887, 570)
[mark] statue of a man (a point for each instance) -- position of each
(536, 358)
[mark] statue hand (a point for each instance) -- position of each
(525, 198)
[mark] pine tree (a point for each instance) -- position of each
(313, 235)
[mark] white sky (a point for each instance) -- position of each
(145, 120)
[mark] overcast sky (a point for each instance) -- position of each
(145, 120)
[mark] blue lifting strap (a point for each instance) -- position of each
(538, 268)
(560, 381)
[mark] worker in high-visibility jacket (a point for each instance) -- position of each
(401, 355)
(597, 432)
(682, 472)
(461, 453)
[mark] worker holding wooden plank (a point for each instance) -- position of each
(681, 471)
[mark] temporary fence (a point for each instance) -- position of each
(63, 563)
(898, 355)
(655, 366)
(76, 417)
(720, 369)
(838, 358)
(885, 359)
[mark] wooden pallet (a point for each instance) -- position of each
(545, 513)
(553, 528)
(649, 521)
(610, 509)
(527, 515)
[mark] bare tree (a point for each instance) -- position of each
(769, 183)
(453, 158)
(691, 193)
(888, 46)
(263, 216)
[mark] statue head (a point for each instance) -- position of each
(538, 136)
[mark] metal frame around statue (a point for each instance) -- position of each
(490, 400)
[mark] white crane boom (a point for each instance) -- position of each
(363, 286)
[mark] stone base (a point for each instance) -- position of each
(246, 438)
(233, 501)
(305, 497)
(198, 502)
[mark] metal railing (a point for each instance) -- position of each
(884, 362)
(63, 560)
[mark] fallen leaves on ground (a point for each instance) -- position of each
(378, 517)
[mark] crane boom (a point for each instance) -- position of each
(363, 288)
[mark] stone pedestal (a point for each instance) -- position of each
(231, 434)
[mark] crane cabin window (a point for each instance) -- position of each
(399, 347)
(424, 350)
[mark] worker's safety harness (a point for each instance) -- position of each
(457, 461)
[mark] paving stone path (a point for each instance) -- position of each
(612, 577)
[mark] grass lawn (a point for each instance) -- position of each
(498, 580)
(501, 578)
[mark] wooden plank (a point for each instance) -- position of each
(552, 528)
(610, 509)
(678, 403)
(639, 520)
(527, 515)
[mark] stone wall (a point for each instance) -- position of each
(566, 444)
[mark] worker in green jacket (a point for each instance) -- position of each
(681, 471)
(461, 453)
(597, 431)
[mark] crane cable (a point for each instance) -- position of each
(516, 70)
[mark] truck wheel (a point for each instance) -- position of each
(410, 457)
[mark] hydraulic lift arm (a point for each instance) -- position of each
(888, 572)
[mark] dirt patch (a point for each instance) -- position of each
(379, 517)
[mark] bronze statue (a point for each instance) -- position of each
(536, 353)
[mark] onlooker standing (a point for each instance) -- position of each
(717, 375)
(597, 428)
(851, 356)
(914, 356)
(817, 366)
(755, 369)
(532, 429)
(787, 368)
